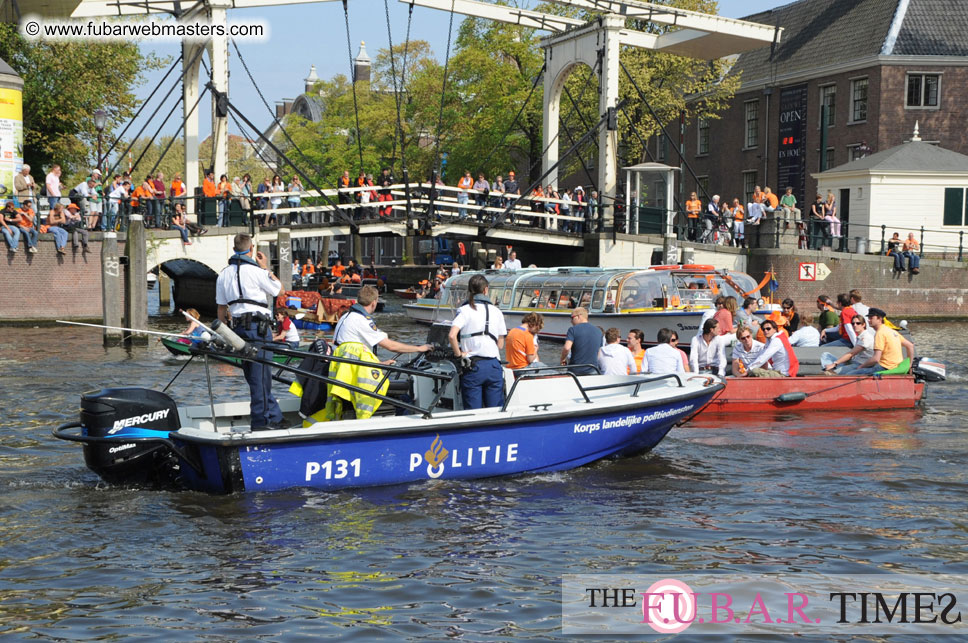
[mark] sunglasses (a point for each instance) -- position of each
(766, 328)
(787, 308)
(857, 323)
(746, 337)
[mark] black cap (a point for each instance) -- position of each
(876, 312)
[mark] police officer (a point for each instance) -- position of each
(357, 325)
(478, 333)
(242, 293)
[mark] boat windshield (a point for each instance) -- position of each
(702, 288)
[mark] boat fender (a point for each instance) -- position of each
(797, 396)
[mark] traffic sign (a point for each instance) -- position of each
(808, 271)
(822, 271)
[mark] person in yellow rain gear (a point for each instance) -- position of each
(356, 337)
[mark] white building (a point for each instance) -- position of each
(914, 186)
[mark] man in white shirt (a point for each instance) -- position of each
(663, 358)
(707, 352)
(862, 351)
(775, 353)
(613, 358)
(807, 334)
(357, 325)
(242, 292)
(53, 186)
(745, 350)
(513, 263)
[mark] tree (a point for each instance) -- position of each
(64, 83)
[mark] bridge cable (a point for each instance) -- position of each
(500, 143)
(186, 117)
(662, 128)
(399, 99)
(356, 109)
(339, 211)
(581, 95)
(276, 120)
(584, 139)
(440, 116)
(153, 114)
(118, 138)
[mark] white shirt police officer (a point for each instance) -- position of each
(478, 333)
(357, 325)
(243, 292)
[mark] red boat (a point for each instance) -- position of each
(749, 395)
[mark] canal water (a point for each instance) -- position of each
(478, 560)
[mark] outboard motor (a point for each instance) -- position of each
(110, 411)
(928, 369)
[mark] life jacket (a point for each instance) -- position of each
(792, 356)
(238, 261)
(355, 308)
(487, 320)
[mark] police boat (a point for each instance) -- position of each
(552, 420)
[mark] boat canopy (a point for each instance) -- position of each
(604, 290)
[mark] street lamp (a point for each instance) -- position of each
(100, 122)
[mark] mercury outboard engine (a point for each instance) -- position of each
(107, 412)
(929, 370)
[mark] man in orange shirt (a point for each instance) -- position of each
(177, 186)
(693, 208)
(209, 188)
(770, 201)
(519, 345)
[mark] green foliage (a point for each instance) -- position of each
(64, 83)
(490, 73)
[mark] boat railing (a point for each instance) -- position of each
(255, 359)
(542, 372)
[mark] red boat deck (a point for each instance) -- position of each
(816, 393)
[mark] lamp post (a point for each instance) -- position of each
(100, 122)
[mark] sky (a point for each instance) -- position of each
(315, 34)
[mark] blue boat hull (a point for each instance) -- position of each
(455, 451)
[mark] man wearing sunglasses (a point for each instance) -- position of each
(888, 345)
(745, 350)
(778, 354)
(863, 350)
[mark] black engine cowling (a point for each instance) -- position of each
(107, 412)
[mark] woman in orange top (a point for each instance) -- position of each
(634, 341)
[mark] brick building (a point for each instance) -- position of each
(878, 65)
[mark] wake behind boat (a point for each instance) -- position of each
(549, 422)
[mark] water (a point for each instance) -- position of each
(479, 560)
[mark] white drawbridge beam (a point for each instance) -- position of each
(501, 13)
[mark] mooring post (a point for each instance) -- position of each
(164, 290)
(111, 287)
(136, 281)
(285, 258)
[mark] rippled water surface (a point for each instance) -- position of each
(441, 559)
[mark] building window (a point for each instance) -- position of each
(828, 99)
(752, 123)
(829, 158)
(662, 148)
(702, 187)
(923, 90)
(954, 207)
(854, 152)
(749, 184)
(703, 127)
(858, 100)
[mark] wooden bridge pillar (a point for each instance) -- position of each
(136, 282)
(284, 241)
(111, 287)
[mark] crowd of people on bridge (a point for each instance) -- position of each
(725, 222)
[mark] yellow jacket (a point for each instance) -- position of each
(365, 377)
